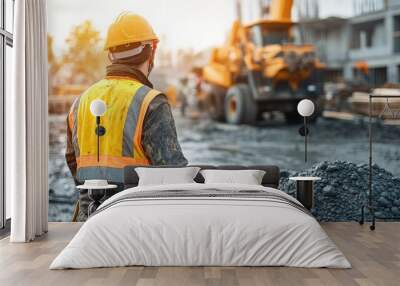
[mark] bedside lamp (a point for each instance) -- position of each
(305, 108)
(98, 107)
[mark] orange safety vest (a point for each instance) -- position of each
(127, 102)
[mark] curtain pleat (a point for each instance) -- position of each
(28, 160)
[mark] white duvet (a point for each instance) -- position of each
(200, 231)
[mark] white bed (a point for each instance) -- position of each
(185, 230)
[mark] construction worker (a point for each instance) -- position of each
(140, 129)
(183, 95)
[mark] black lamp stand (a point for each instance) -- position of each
(100, 131)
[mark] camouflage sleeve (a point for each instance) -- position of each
(70, 152)
(160, 141)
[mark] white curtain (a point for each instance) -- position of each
(27, 124)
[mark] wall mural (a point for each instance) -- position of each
(234, 91)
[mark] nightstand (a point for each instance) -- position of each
(96, 194)
(305, 190)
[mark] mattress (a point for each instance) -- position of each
(201, 225)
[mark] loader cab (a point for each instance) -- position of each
(267, 32)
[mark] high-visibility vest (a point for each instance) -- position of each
(127, 101)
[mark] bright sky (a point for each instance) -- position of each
(197, 24)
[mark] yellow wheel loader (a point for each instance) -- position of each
(259, 70)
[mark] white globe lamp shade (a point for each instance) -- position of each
(305, 107)
(98, 107)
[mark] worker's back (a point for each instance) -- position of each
(127, 101)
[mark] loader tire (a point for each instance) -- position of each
(215, 104)
(240, 107)
(293, 117)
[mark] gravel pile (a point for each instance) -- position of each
(343, 188)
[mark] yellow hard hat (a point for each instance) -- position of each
(129, 28)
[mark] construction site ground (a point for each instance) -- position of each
(335, 138)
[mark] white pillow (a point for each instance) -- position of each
(166, 176)
(248, 177)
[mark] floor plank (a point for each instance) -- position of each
(375, 257)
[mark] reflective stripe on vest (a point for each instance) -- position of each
(73, 125)
(127, 103)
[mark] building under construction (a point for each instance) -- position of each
(371, 36)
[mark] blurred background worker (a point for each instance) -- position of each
(183, 95)
(140, 129)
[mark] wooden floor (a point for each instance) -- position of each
(375, 257)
